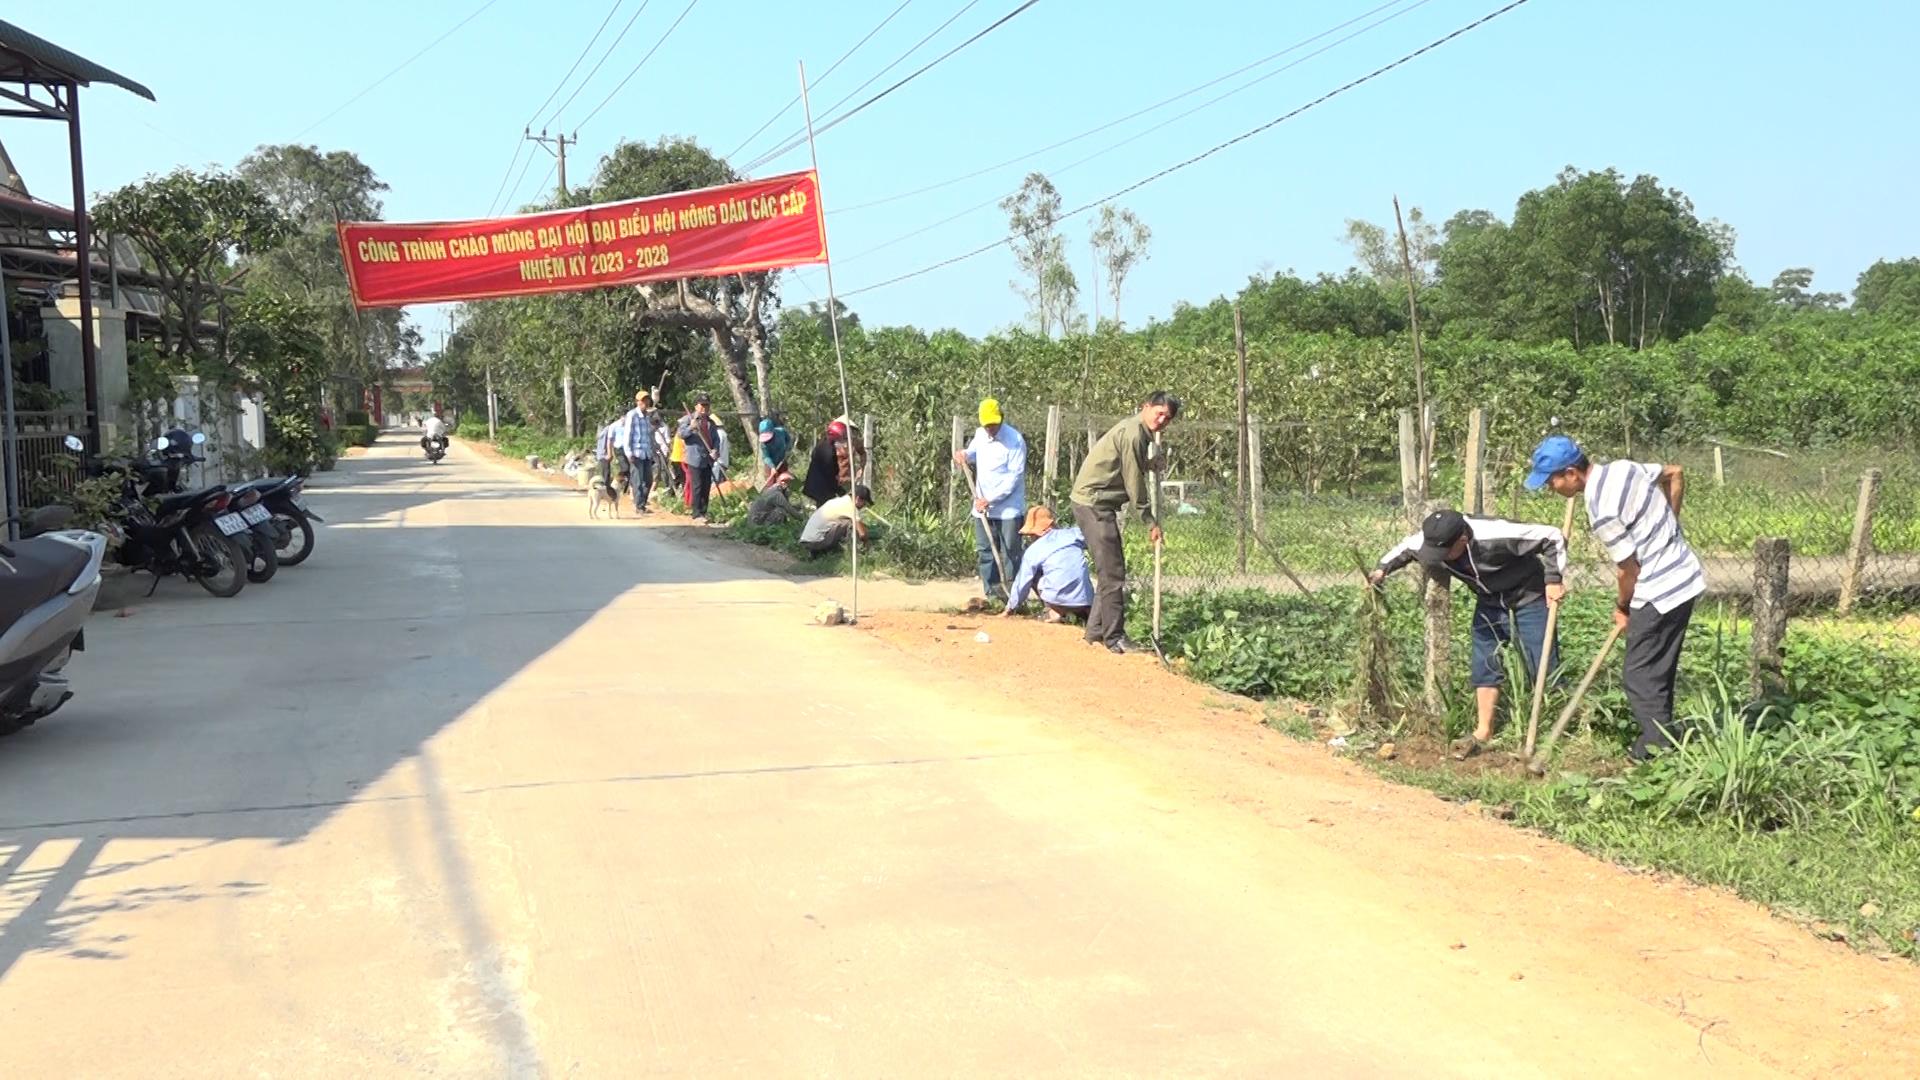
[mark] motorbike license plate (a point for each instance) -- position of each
(257, 515)
(230, 524)
(300, 501)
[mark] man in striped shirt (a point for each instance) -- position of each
(1633, 510)
(637, 442)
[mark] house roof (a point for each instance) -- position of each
(31, 58)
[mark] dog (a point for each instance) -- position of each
(601, 494)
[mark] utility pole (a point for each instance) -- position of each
(557, 146)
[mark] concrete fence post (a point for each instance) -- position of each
(1052, 473)
(1861, 544)
(1719, 467)
(1256, 481)
(1409, 465)
(1474, 496)
(1771, 556)
(866, 456)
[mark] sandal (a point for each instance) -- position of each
(1468, 746)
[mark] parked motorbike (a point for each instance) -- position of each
(190, 534)
(292, 519)
(47, 587)
(271, 531)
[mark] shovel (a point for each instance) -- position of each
(1538, 765)
(993, 542)
(1546, 647)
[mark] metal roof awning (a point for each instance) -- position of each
(27, 57)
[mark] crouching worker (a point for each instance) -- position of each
(827, 529)
(1054, 567)
(1514, 570)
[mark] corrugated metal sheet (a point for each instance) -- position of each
(33, 55)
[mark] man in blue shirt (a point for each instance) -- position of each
(998, 454)
(1054, 567)
(637, 442)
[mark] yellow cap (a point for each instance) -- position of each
(990, 411)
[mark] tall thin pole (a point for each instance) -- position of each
(11, 438)
(1419, 365)
(1240, 441)
(833, 322)
(83, 253)
(1093, 279)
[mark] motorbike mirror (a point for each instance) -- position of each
(73, 443)
(161, 443)
(199, 438)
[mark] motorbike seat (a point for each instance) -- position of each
(174, 503)
(43, 568)
(267, 486)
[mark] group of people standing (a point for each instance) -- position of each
(697, 450)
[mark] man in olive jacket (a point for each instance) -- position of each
(1115, 474)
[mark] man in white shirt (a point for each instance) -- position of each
(998, 454)
(829, 526)
(1634, 510)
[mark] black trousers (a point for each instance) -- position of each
(1107, 621)
(1653, 664)
(701, 477)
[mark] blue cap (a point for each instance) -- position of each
(1557, 452)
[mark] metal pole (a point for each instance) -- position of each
(1240, 438)
(7, 434)
(833, 321)
(83, 250)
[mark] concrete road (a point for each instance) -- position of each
(487, 790)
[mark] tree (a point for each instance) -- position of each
(1791, 290)
(314, 190)
(278, 351)
(189, 227)
(734, 314)
(1121, 240)
(1891, 289)
(1033, 217)
(1378, 249)
(1592, 258)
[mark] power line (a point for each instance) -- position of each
(1156, 106)
(871, 79)
(342, 107)
(618, 38)
(527, 168)
(504, 177)
(691, 4)
(1209, 152)
(929, 66)
(784, 109)
(1137, 136)
(557, 87)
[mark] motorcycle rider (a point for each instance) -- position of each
(436, 432)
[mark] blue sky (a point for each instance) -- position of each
(1778, 118)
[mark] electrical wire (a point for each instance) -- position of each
(1137, 136)
(508, 205)
(618, 38)
(1135, 115)
(557, 87)
(784, 109)
(519, 145)
(404, 64)
(871, 79)
(1209, 152)
(636, 68)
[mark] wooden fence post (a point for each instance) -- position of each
(866, 458)
(1053, 452)
(1771, 555)
(1256, 483)
(1474, 500)
(1409, 465)
(1861, 545)
(953, 472)
(1719, 467)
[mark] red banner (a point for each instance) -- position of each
(738, 228)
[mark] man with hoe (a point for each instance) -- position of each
(1114, 475)
(1634, 510)
(998, 456)
(1515, 571)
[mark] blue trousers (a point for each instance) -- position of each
(1006, 533)
(1494, 626)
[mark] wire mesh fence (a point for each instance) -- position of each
(1285, 504)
